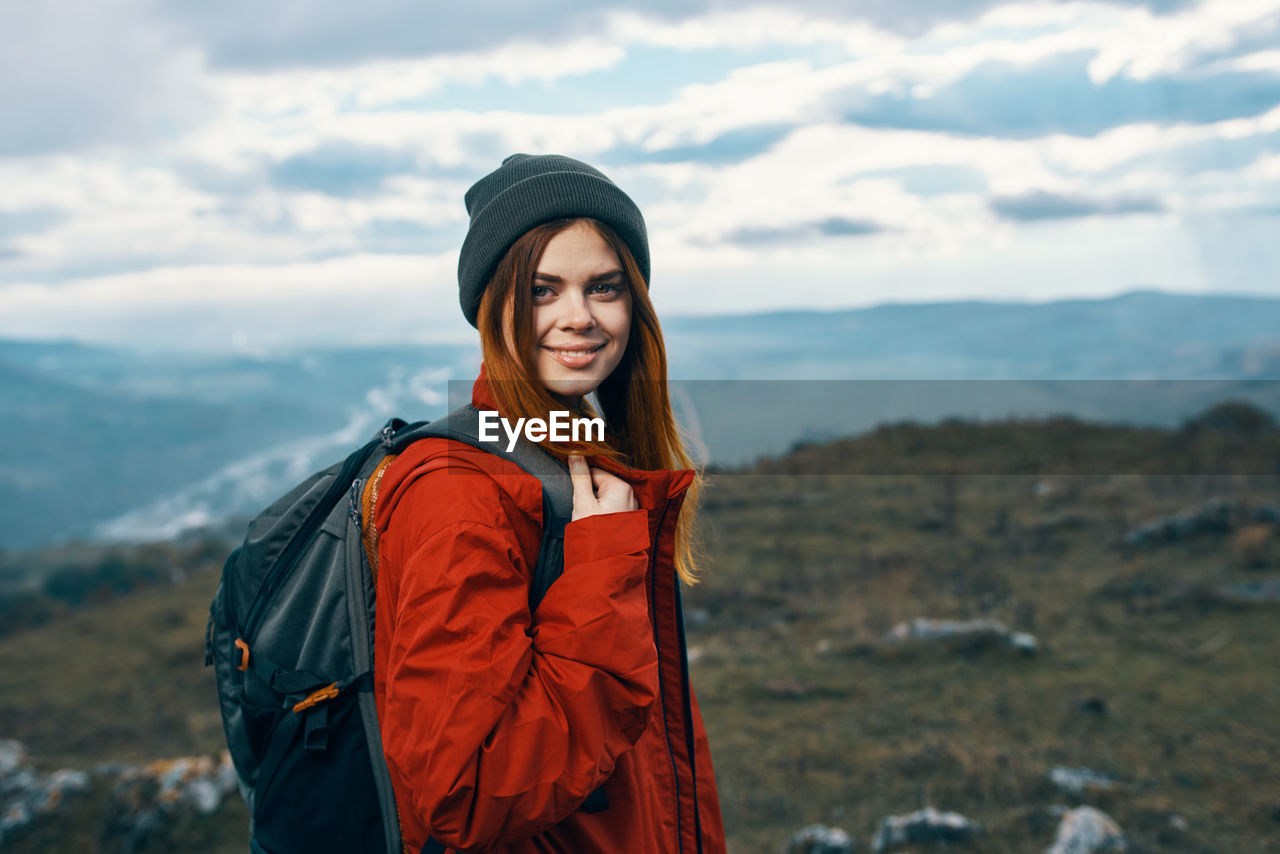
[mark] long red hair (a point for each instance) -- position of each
(635, 404)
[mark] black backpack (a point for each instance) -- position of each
(290, 637)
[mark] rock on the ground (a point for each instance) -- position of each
(1267, 513)
(13, 755)
(1215, 516)
(198, 782)
(1077, 781)
(26, 795)
(1090, 704)
(927, 629)
(1085, 830)
(926, 825)
(819, 839)
(142, 797)
(147, 797)
(1023, 642)
(1262, 590)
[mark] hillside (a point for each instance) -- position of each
(1153, 661)
(99, 443)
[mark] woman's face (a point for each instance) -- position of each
(581, 312)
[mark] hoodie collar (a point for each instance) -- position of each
(652, 488)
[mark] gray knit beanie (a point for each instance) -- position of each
(527, 190)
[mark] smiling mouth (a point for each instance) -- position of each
(574, 359)
(575, 351)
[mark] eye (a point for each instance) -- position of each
(540, 292)
(605, 288)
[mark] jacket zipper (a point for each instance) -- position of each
(688, 714)
(662, 699)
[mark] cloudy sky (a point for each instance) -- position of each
(251, 175)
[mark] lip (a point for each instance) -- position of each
(574, 357)
(576, 348)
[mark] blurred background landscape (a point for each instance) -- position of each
(973, 317)
(920, 592)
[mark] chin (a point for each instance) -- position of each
(571, 386)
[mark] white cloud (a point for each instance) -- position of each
(371, 299)
(1263, 60)
(751, 28)
(1266, 168)
(75, 78)
(133, 215)
(318, 92)
(282, 113)
(1172, 43)
(1114, 147)
(1008, 263)
(356, 298)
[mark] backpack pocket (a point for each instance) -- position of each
(315, 789)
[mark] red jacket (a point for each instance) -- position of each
(497, 725)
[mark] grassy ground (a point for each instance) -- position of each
(1143, 673)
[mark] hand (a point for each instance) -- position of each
(595, 491)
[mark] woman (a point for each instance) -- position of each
(574, 728)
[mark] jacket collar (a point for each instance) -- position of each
(653, 488)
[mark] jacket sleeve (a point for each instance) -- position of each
(497, 725)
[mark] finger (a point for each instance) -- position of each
(614, 488)
(608, 484)
(580, 474)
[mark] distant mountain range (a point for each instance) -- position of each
(102, 442)
(1137, 335)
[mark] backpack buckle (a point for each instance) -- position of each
(316, 697)
(244, 654)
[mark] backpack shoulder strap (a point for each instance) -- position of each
(463, 424)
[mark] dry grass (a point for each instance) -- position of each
(1172, 694)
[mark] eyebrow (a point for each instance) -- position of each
(598, 277)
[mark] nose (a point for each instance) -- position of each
(576, 315)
